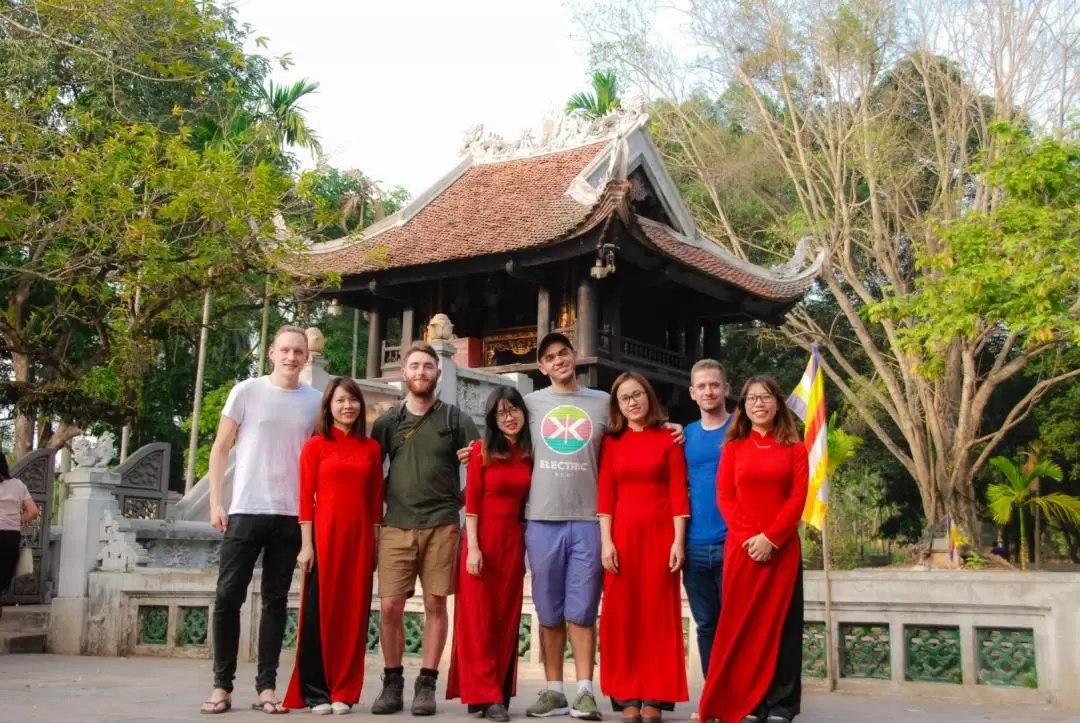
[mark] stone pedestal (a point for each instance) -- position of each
(314, 372)
(91, 492)
(448, 383)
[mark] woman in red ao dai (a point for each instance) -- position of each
(643, 506)
(756, 664)
(487, 609)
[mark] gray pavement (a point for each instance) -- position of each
(118, 690)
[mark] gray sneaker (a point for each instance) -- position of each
(584, 707)
(548, 703)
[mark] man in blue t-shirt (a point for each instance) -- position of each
(704, 569)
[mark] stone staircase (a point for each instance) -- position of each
(24, 629)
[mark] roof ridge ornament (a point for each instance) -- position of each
(794, 266)
(562, 133)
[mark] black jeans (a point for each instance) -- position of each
(784, 697)
(277, 538)
(703, 578)
(313, 686)
(619, 705)
(9, 557)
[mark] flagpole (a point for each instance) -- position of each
(830, 656)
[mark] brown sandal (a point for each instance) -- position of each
(215, 707)
(275, 707)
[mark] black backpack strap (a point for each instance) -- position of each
(454, 422)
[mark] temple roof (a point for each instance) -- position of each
(511, 197)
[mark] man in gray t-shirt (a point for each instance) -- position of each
(562, 537)
(568, 429)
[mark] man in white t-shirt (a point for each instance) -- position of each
(269, 418)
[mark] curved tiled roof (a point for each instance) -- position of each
(491, 208)
(714, 261)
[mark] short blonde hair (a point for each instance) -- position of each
(706, 364)
(287, 329)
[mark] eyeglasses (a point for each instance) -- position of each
(632, 397)
(508, 413)
(752, 399)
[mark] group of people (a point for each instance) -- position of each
(599, 492)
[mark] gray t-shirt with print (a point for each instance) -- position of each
(567, 430)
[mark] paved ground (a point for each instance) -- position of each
(111, 690)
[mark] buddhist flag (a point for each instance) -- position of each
(808, 403)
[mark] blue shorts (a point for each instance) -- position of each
(567, 573)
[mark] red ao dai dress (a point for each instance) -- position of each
(487, 609)
(341, 493)
(643, 488)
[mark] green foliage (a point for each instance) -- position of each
(116, 213)
(1013, 267)
(1019, 494)
(603, 99)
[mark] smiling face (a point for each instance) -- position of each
(509, 418)
(558, 363)
(709, 388)
(633, 402)
(344, 408)
(289, 353)
(760, 406)
(421, 374)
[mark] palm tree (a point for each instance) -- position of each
(603, 99)
(283, 116)
(1018, 492)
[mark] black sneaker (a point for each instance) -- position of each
(423, 702)
(392, 697)
(497, 712)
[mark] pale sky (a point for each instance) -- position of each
(401, 80)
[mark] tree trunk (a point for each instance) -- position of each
(24, 425)
(63, 434)
(1023, 540)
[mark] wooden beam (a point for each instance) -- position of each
(515, 270)
(543, 312)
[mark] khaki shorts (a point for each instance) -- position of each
(431, 553)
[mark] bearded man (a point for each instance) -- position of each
(421, 529)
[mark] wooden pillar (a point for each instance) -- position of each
(408, 326)
(374, 341)
(543, 312)
(712, 339)
(691, 339)
(588, 317)
(613, 318)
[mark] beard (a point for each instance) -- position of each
(420, 388)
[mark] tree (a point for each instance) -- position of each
(883, 118)
(603, 99)
(112, 216)
(1018, 494)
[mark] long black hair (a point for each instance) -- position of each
(5, 473)
(495, 444)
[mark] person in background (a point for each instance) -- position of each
(17, 508)
(483, 659)
(421, 530)
(270, 419)
(642, 508)
(341, 507)
(703, 574)
(756, 663)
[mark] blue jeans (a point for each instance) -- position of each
(703, 579)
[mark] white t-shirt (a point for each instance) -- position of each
(274, 425)
(13, 493)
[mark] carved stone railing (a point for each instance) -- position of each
(143, 492)
(36, 471)
(639, 351)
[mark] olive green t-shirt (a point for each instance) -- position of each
(423, 487)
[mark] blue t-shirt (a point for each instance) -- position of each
(703, 449)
